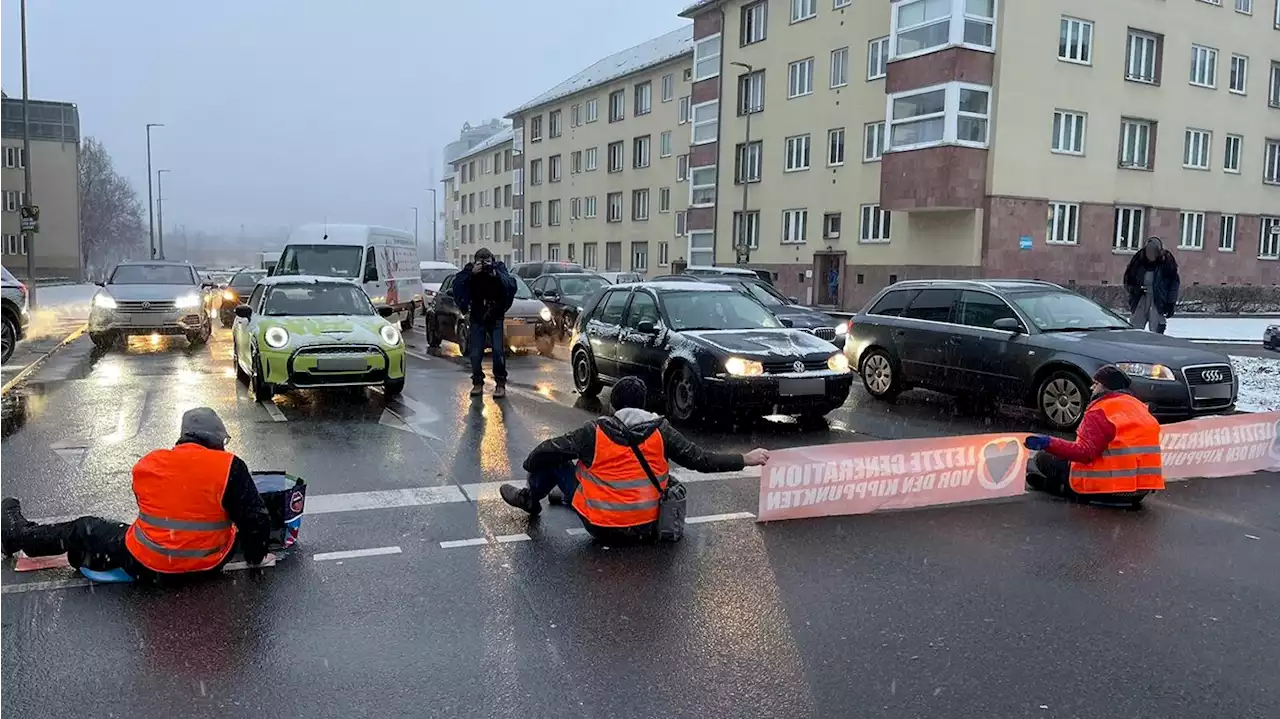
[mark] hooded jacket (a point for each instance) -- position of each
(484, 296)
(628, 426)
(1167, 282)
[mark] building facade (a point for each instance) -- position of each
(601, 162)
(481, 200)
(55, 184)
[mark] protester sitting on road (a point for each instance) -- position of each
(600, 476)
(196, 503)
(1116, 455)
(484, 290)
(1152, 282)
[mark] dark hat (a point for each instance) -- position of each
(628, 392)
(1111, 377)
(203, 425)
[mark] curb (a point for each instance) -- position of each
(26, 371)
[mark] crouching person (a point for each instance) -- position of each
(598, 468)
(1116, 455)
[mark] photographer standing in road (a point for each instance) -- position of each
(484, 291)
(1152, 282)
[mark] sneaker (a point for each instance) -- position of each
(12, 524)
(477, 390)
(519, 498)
(500, 391)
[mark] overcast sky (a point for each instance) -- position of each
(280, 112)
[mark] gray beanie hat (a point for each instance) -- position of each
(203, 425)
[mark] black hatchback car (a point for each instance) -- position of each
(796, 315)
(705, 347)
(1029, 343)
(237, 292)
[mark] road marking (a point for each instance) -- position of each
(719, 517)
(450, 544)
(478, 491)
(383, 499)
(241, 565)
(575, 532)
(353, 553)
(509, 538)
(26, 371)
(44, 586)
(273, 410)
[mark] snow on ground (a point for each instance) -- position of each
(1259, 383)
(1225, 329)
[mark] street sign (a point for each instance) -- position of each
(31, 218)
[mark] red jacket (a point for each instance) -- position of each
(1092, 437)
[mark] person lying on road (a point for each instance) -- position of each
(601, 478)
(1116, 455)
(196, 502)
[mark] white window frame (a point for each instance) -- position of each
(1190, 230)
(641, 151)
(664, 200)
(1227, 233)
(611, 166)
(575, 115)
(664, 144)
(754, 23)
(956, 19)
(1136, 132)
(1134, 220)
(751, 232)
(640, 255)
(684, 111)
(798, 149)
(750, 162)
(751, 92)
(835, 146)
(873, 225)
(802, 10)
(575, 208)
(795, 226)
(593, 109)
(1232, 152)
(553, 213)
(535, 129)
(575, 162)
(832, 225)
(682, 224)
(837, 4)
(555, 127)
(1141, 50)
(705, 115)
(873, 138)
(1268, 238)
(702, 194)
(664, 254)
(877, 58)
(589, 207)
(839, 67)
(1075, 40)
(706, 57)
(640, 205)
(1246, 7)
(590, 250)
(696, 252)
(1197, 145)
(1204, 67)
(618, 110)
(1273, 79)
(682, 168)
(950, 115)
(610, 207)
(591, 159)
(1241, 87)
(555, 168)
(1271, 161)
(668, 87)
(517, 182)
(642, 98)
(800, 78)
(1064, 224)
(1070, 130)
(553, 252)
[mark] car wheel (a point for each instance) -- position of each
(393, 387)
(227, 320)
(407, 323)
(684, 395)
(585, 378)
(433, 331)
(197, 338)
(241, 376)
(879, 376)
(103, 340)
(10, 338)
(1061, 398)
(262, 391)
(461, 335)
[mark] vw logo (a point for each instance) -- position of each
(146, 305)
(798, 366)
(1212, 375)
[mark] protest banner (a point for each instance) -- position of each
(1228, 446)
(862, 477)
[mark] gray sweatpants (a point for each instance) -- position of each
(1146, 314)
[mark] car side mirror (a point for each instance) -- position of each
(646, 327)
(794, 300)
(551, 295)
(244, 311)
(386, 311)
(788, 322)
(1008, 324)
(207, 285)
(537, 293)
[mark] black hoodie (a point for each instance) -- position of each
(1167, 282)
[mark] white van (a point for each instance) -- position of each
(383, 260)
(434, 274)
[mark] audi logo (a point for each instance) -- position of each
(798, 366)
(1213, 375)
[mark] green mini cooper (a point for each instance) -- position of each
(301, 332)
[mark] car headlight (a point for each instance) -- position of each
(545, 314)
(842, 329)
(1147, 371)
(104, 300)
(187, 301)
(276, 337)
(229, 296)
(739, 367)
(838, 363)
(390, 335)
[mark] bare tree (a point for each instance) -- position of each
(111, 225)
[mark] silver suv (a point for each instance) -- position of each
(16, 318)
(143, 298)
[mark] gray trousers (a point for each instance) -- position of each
(1146, 314)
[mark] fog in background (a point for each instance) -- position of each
(291, 111)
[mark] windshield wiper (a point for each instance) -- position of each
(1083, 329)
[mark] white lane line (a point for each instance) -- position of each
(242, 565)
(273, 410)
(509, 538)
(450, 544)
(383, 499)
(353, 553)
(419, 355)
(575, 532)
(719, 517)
(44, 586)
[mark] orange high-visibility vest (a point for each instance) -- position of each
(181, 525)
(1132, 461)
(614, 490)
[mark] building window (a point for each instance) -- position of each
(1064, 223)
(705, 118)
(1195, 149)
(872, 141)
(553, 212)
(920, 26)
(535, 215)
(589, 159)
(1273, 89)
(803, 9)
(612, 256)
(589, 207)
(589, 255)
(954, 113)
(668, 87)
(1268, 239)
(535, 133)
(835, 147)
(1246, 7)
(535, 174)
(616, 153)
(751, 92)
(664, 144)
(747, 234)
(664, 254)
(553, 168)
(874, 224)
(575, 208)
(617, 105)
(840, 3)
(575, 162)
(664, 199)
(755, 19)
(1142, 50)
(702, 186)
(1068, 132)
(640, 152)
(640, 256)
(1271, 163)
(1227, 233)
(640, 205)
(1130, 222)
(831, 226)
(1231, 154)
(14, 200)
(1239, 78)
(517, 221)
(1136, 143)
(553, 123)
(684, 110)
(797, 153)
(702, 245)
(553, 251)
(643, 98)
(575, 115)
(795, 226)
(593, 110)
(1204, 66)
(706, 58)
(840, 67)
(1075, 41)
(877, 58)
(506, 196)
(614, 203)
(749, 162)
(680, 224)
(1191, 231)
(682, 168)
(14, 158)
(800, 78)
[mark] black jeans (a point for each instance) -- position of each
(566, 478)
(91, 542)
(481, 334)
(1051, 474)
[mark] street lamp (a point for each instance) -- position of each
(27, 236)
(742, 247)
(151, 219)
(160, 209)
(434, 213)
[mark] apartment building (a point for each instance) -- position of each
(55, 183)
(601, 160)
(482, 197)
(954, 138)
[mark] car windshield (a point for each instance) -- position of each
(247, 279)
(522, 290)
(323, 260)
(437, 275)
(153, 275)
(317, 299)
(8, 276)
(763, 295)
(581, 286)
(693, 310)
(1052, 311)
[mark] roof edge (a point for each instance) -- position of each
(700, 7)
(488, 144)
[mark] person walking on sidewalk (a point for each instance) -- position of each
(1152, 282)
(599, 475)
(484, 291)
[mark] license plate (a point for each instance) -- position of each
(140, 320)
(341, 364)
(1212, 391)
(518, 330)
(794, 387)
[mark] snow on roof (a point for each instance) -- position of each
(645, 55)
(698, 7)
(492, 142)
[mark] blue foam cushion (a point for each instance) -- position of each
(114, 576)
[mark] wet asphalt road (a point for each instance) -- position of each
(1029, 608)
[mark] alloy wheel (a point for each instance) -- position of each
(1062, 401)
(877, 373)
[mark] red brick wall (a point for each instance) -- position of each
(701, 218)
(791, 282)
(934, 177)
(708, 23)
(703, 155)
(705, 90)
(956, 63)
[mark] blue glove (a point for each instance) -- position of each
(1036, 442)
